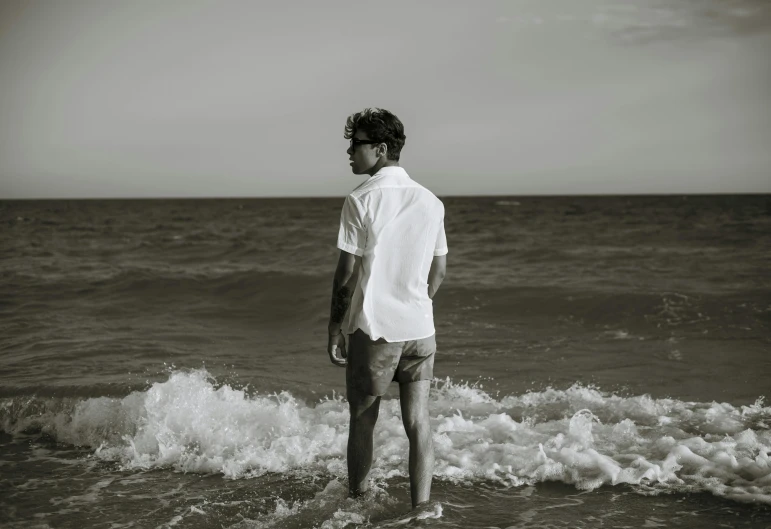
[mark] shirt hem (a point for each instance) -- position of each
(392, 341)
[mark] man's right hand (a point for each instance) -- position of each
(336, 350)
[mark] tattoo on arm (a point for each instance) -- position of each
(341, 299)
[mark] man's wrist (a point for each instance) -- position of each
(335, 332)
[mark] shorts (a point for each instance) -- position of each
(373, 364)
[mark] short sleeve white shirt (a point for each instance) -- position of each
(397, 227)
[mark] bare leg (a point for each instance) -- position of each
(364, 412)
(414, 403)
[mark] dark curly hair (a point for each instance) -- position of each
(381, 126)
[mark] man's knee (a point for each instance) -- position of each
(417, 425)
(364, 420)
(414, 405)
(419, 434)
(364, 409)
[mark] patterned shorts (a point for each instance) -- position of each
(374, 364)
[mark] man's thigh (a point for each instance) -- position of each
(371, 364)
(417, 360)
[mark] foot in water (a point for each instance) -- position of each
(422, 511)
(427, 509)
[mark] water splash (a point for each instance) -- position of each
(580, 436)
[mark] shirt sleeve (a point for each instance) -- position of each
(441, 241)
(352, 236)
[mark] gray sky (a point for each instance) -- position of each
(167, 98)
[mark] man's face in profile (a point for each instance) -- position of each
(363, 156)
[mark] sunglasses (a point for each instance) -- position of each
(355, 142)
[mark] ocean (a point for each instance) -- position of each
(602, 362)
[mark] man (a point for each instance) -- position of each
(392, 261)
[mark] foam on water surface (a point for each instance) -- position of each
(580, 436)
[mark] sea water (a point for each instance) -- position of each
(602, 362)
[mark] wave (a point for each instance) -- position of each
(580, 436)
(255, 281)
(213, 291)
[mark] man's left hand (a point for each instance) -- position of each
(336, 350)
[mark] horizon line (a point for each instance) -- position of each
(300, 197)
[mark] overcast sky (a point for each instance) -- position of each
(182, 98)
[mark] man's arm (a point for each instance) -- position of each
(436, 274)
(342, 289)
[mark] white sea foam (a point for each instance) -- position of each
(581, 436)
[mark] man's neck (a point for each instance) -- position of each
(378, 166)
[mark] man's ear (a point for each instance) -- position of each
(382, 150)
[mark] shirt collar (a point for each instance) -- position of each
(390, 170)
